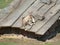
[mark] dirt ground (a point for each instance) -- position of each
(29, 41)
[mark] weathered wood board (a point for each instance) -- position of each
(17, 13)
(50, 11)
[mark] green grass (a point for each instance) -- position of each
(53, 43)
(26, 42)
(8, 43)
(4, 3)
(48, 43)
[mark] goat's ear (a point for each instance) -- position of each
(23, 17)
(30, 13)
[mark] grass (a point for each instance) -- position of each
(53, 43)
(48, 43)
(26, 42)
(8, 43)
(4, 3)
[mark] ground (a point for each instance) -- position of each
(29, 41)
(4, 3)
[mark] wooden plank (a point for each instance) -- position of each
(46, 1)
(9, 9)
(58, 2)
(48, 16)
(34, 7)
(45, 9)
(14, 16)
(39, 24)
(48, 25)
